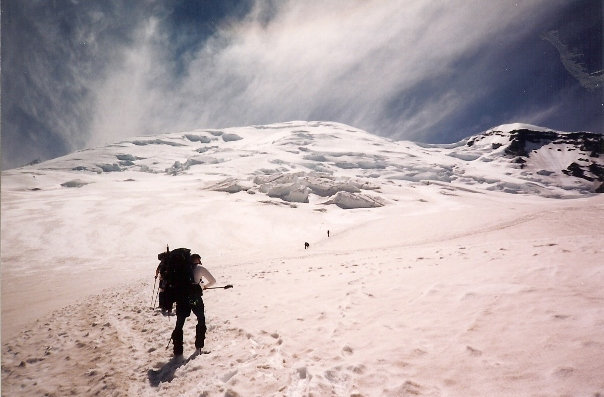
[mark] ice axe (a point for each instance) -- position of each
(225, 287)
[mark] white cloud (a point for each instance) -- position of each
(341, 60)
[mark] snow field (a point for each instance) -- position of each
(470, 279)
(496, 309)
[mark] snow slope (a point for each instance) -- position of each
(450, 269)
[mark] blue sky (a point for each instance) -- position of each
(77, 74)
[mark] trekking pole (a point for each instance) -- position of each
(225, 287)
(153, 293)
(156, 298)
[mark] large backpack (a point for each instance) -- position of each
(178, 275)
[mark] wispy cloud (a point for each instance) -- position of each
(395, 68)
(571, 61)
(340, 60)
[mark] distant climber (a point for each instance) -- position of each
(306, 245)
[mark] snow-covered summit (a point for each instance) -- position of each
(331, 163)
(543, 152)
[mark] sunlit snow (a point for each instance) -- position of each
(473, 268)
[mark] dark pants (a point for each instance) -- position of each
(183, 310)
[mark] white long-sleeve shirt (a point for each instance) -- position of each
(199, 271)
